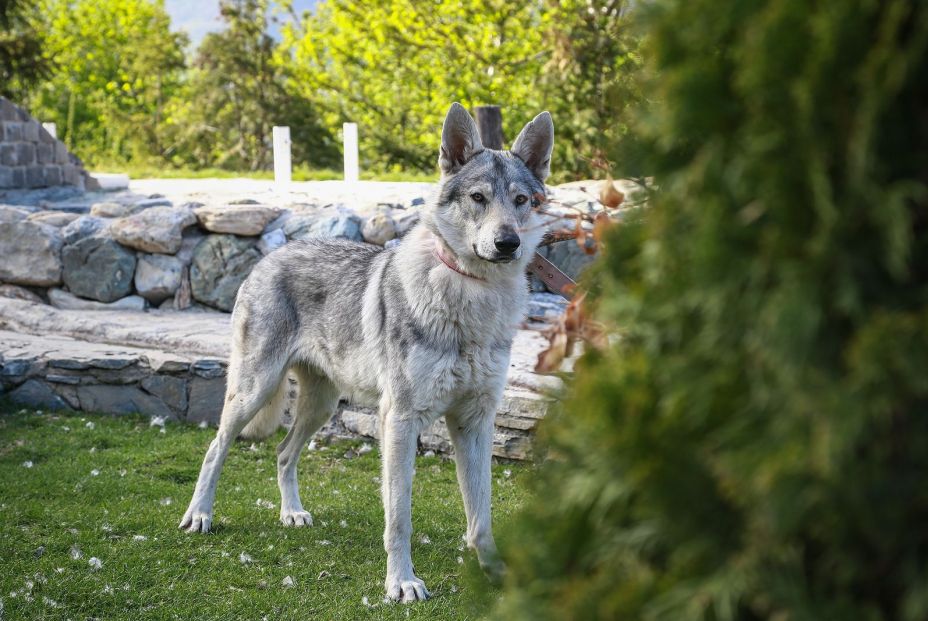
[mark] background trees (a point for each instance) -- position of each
(755, 445)
(123, 87)
(22, 63)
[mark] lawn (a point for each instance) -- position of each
(88, 527)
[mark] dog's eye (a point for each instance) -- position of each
(478, 197)
(521, 199)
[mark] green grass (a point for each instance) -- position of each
(300, 173)
(115, 488)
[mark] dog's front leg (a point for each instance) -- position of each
(398, 445)
(473, 445)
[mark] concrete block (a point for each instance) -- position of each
(6, 177)
(61, 153)
(8, 111)
(35, 176)
(45, 153)
(19, 177)
(70, 174)
(12, 131)
(31, 131)
(25, 154)
(8, 155)
(45, 137)
(53, 175)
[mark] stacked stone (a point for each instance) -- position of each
(30, 157)
(151, 253)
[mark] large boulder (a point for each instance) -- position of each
(157, 229)
(54, 218)
(98, 268)
(60, 298)
(343, 225)
(157, 276)
(8, 213)
(30, 253)
(220, 265)
(239, 219)
(379, 229)
(114, 210)
(83, 226)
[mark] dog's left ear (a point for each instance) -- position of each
(460, 140)
(534, 145)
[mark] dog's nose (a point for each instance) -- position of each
(507, 242)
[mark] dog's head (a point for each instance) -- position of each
(486, 209)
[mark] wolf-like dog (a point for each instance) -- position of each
(423, 329)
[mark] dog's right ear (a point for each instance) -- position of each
(460, 140)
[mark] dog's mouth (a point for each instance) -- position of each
(503, 258)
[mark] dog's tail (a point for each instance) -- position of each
(268, 418)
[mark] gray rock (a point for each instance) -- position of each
(83, 226)
(271, 241)
(153, 201)
(206, 399)
(113, 210)
(404, 223)
(171, 390)
(98, 268)
(54, 218)
(121, 399)
(65, 301)
(18, 293)
(417, 202)
(344, 225)
(191, 239)
(158, 229)
(157, 276)
(37, 394)
(31, 254)
(378, 229)
(237, 219)
(12, 214)
(220, 265)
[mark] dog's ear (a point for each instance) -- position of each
(459, 140)
(534, 144)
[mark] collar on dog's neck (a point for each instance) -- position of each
(439, 252)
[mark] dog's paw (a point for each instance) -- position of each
(409, 589)
(495, 570)
(296, 518)
(196, 521)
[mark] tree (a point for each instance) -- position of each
(22, 63)
(394, 67)
(755, 444)
(116, 65)
(237, 91)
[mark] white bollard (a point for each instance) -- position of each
(51, 128)
(350, 138)
(282, 166)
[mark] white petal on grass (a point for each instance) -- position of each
(165, 501)
(324, 542)
(162, 430)
(76, 553)
(90, 425)
(139, 538)
(507, 473)
(122, 472)
(267, 504)
(94, 473)
(365, 448)
(343, 524)
(460, 560)
(95, 563)
(107, 590)
(202, 424)
(245, 558)
(424, 540)
(27, 464)
(157, 421)
(287, 582)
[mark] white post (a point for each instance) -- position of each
(51, 128)
(282, 172)
(350, 138)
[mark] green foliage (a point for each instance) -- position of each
(117, 64)
(755, 445)
(22, 63)
(236, 93)
(394, 67)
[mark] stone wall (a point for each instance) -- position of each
(31, 158)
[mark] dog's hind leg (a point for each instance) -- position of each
(316, 403)
(251, 382)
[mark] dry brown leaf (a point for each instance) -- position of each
(550, 359)
(609, 195)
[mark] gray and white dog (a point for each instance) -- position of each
(423, 329)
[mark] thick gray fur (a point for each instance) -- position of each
(398, 328)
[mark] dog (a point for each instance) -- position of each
(423, 329)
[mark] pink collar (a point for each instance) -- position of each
(439, 252)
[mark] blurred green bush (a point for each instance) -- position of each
(755, 444)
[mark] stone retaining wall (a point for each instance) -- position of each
(30, 157)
